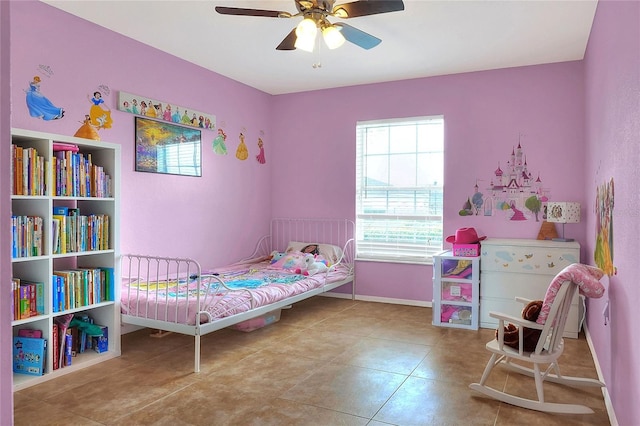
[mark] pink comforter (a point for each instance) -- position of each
(253, 284)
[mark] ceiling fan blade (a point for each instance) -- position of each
(367, 7)
(289, 42)
(358, 37)
(252, 12)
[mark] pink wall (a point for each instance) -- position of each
(311, 134)
(484, 114)
(612, 87)
(6, 369)
(174, 215)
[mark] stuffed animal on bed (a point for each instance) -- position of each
(275, 256)
(511, 337)
(311, 266)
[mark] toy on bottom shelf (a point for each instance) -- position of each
(29, 355)
(453, 314)
(530, 313)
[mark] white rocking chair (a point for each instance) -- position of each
(547, 351)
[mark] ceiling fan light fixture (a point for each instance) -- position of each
(306, 35)
(340, 13)
(332, 37)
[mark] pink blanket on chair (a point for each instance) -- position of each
(586, 277)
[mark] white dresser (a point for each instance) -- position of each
(525, 268)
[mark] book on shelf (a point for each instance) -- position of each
(74, 232)
(55, 292)
(55, 235)
(31, 298)
(75, 340)
(77, 176)
(55, 339)
(15, 300)
(101, 343)
(68, 347)
(109, 284)
(60, 296)
(60, 222)
(73, 288)
(61, 210)
(26, 236)
(24, 302)
(66, 289)
(28, 171)
(29, 355)
(17, 169)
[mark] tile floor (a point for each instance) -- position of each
(327, 361)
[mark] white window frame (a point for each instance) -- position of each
(399, 223)
(182, 158)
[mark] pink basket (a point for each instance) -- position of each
(469, 250)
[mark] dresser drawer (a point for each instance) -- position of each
(508, 286)
(528, 260)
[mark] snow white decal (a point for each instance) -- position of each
(99, 113)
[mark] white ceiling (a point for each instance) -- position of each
(428, 38)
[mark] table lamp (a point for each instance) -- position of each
(563, 212)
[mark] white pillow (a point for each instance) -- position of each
(329, 252)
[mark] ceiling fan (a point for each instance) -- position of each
(316, 14)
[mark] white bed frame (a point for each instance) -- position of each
(154, 270)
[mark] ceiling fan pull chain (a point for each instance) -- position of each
(318, 62)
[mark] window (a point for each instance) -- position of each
(399, 181)
(180, 158)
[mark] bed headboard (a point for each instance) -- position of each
(338, 232)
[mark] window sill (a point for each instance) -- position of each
(428, 262)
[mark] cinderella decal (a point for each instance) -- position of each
(39, 106)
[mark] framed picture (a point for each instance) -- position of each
(163, 147)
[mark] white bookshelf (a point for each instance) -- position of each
(40, 268)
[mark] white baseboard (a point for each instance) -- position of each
(129, 328)
(605, 391)
(379, 299)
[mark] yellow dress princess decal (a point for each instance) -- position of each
(99, 115)
(242, 153)
(87, 130)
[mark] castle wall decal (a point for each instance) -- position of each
(513, 193)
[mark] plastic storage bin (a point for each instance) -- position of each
(469, 250)
(456, 282)
(258, 322)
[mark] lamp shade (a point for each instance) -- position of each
(332, 37)
(306, 35)
(563, 212)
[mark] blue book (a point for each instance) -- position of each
(62, 305)
(101, 343)
(14, 236)
(68, 351)
(29, 355)
(61, 210)
(54, 286)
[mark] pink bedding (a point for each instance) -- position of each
(253, 284)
